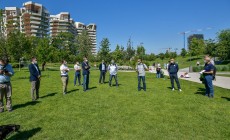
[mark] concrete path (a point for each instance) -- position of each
(221, 81)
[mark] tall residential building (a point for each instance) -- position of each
(92, 32)
(62, 23)
(197, 36)
(34, 19)
(11, 20)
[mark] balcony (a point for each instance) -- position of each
(35, 22)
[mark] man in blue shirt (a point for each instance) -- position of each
(102, 68)
(35, 77)
(85, 73)
(6, 71)
(208, 76)
(173, 69)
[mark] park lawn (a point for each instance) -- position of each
(117, 113)
(224, 75)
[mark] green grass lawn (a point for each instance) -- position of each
(117, 113)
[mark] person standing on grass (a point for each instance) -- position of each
(158, 71)
(113, 73)
(6, 71)
(85, 73)
(64, 76)
(208, 76)
(35, 77)
(173, 69)
(140, 69)
(77, 75)
(102, 68)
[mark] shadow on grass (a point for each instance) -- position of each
(49, 95)
(227, 98)
(92, 88)
(31, 103)
(25, 135)
(201, 91)
(72, 91)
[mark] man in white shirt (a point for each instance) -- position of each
(140, 68)
(77, 74)
(113, 72)
(64, 76)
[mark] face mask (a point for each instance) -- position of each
(172, 62)
(35, 62)
(65, 63)
(205, 61)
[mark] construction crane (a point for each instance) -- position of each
(192, 31)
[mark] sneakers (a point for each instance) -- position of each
(180, 90)
(173, 89)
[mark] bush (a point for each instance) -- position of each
(218, 68)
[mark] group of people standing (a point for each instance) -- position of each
(6, 72)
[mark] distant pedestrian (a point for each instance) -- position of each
(140, 68)
(64, 76)
(77, 74)
(43, 65)
(173, 69)
(35, 77)
(6, 71)
(85, 72)
(113, 73)
(102, 68)
(158, 71)
(208, 76)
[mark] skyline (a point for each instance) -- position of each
(155, 24)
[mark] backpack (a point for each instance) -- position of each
(214, 73)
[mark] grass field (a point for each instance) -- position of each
(225, 75)
(117, 113)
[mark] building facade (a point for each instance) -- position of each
(92, 32)
(62, 23)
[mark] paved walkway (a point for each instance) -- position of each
(221, 81)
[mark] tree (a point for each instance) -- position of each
(140, 51)
(151, 57)
(118, 53)
(84, 44)
(172, 54)
(104, 50)
(161, 56)
(130, 51)
(223, 48)
(196, 47)
(183, 52)
(167, 54)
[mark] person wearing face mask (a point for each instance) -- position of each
(64, 76)
(140, 69)
(173, 69)
(208, 76)
(102, 68)
(6, 71)
(35, 77)
(85, 73)
(113, 73)
(77, 75)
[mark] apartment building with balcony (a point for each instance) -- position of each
(62, 23)
(92, 32)
(34, 19)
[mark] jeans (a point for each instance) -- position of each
(5, 91)
(77, 76)
(111, 78)
(209, 85)
(141, 78)
(102, 76)
(86, 82)
(158, 75)
(174, 77)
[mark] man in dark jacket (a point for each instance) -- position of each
(35, 76)
(173, 69)
(102, 68)
(85, 73)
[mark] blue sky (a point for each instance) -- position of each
(156, 23)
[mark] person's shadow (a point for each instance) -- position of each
(25, 135)
(49, 95)
(227, 98)
(201, 91)
(31, 103)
